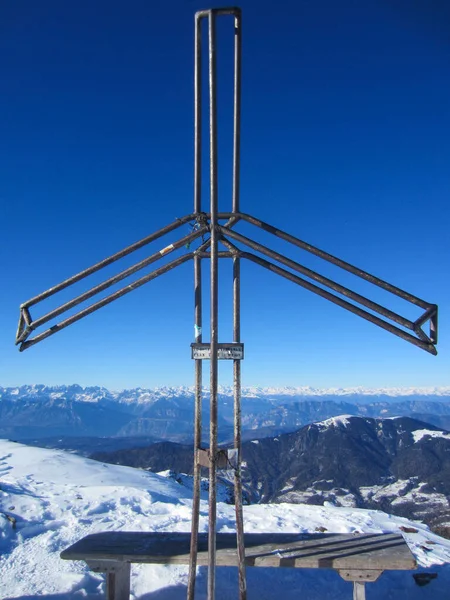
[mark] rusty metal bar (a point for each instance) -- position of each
(202, 14)
(330, 258)
(198, 323)
(107, 261)
(20, 326)
(214, 321)
(115, 279)
(428, 347)
(198, 320)
(198, 115)
(319, 278)
(434, 327)
(118, 294)
(237, 430)
(237, 308)
(24, 332)
(237, 109)
(26, 315)
(219, 254)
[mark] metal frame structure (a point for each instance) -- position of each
(218, 228)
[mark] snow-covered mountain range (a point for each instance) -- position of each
(141, 395)
(39, 411)
(49, 499)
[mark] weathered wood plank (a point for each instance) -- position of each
(332, 551)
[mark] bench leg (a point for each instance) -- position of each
(359, 577)
(117, 577)
(359, 590)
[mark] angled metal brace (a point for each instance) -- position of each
(27, 325)
(427, 346)
(320, 279)
(423, 341)
(110, 259)
(329, 258)
(27, 343)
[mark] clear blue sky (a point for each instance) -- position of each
(345, 143)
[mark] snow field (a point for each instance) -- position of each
(56, 498)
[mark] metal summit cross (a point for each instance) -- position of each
(218, 228)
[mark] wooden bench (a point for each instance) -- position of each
(358, 558)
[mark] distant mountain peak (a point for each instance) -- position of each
(89, 392)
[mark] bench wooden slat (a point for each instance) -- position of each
(332, 551)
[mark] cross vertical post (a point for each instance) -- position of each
(237, 429)
(214, 308)
(197, 430)
(197, 310)
(212, 350)
(237, 308)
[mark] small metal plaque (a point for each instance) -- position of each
(232, 351)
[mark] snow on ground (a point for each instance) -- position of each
(57, 498)
(376, 492)
(340, 420)
(404, 491)
(421, 433)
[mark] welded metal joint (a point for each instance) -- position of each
(430, 315)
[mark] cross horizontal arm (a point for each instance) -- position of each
(26, 323)
(427, 346)
(422, 341)
(26, 343)
(113, 280)
(431, 310)
(329, 258)
(109, 260)
(321, 279)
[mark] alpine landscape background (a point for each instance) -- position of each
(337, 460)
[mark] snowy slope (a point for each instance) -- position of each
(57, 498)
